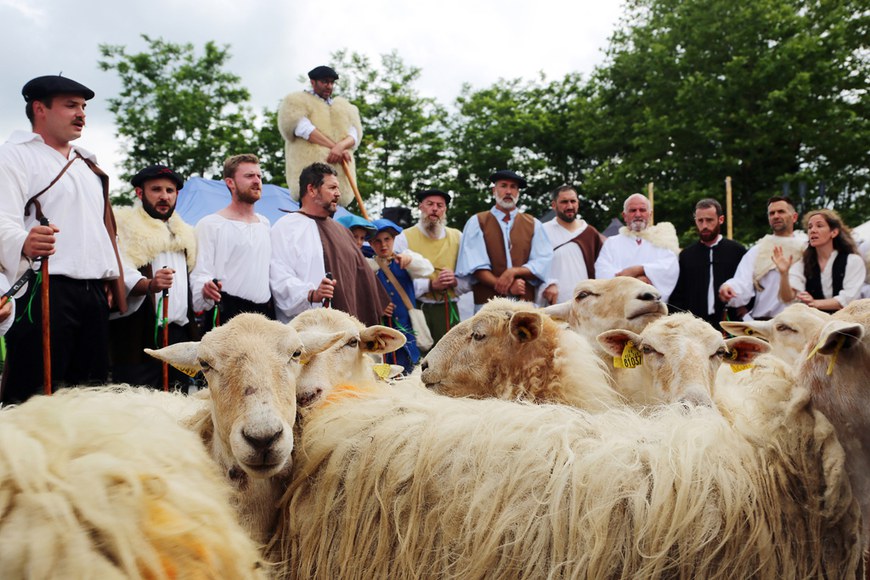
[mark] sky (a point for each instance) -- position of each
(273, 42)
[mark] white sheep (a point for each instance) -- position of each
(350, 360)
(788, 332)
(675, 358)
(510, 350)
(92, 487)
(251, 365)
(402, 483)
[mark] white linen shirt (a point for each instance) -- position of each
(296, 265)
(852, 281)
(568, 266)
(661, 265)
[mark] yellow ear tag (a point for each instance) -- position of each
(383, 371)
(738, 368)
(837, 348)
(631, 357)
(189, 371)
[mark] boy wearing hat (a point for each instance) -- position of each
(318, 127)
(54, 202)
(507, 252)
(397, 276)
(157, 242)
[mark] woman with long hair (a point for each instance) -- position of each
(830, 273)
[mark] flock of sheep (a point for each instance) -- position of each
(598, 438)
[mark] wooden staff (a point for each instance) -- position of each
(728, 213)
(650, 197)
(217, 306)
(46, 330)
(165, 336)
(359, 201)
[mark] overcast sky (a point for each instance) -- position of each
(272, 42)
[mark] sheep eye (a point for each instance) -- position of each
(353, 343)
(296, 354)
(478, 336)
(721, 353)
(581, 295)
(784, 328)
(647, 349)
(204, 366)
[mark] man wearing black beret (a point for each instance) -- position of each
(318, 127)
(54, 202)
(507, 252)
(432, 239)
(155, 240)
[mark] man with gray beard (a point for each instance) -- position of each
(432, 239)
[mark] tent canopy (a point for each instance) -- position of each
(200, 197)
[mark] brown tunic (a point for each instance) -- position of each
(521, 236)
(357, 291)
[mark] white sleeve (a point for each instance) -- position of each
(741, 283)
(304, 128)
(6, 323)
(204, 269)
(419, 267)
(853, 280)
(606, 265)
(296, 265)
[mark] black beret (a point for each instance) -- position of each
(42, 87)
(322, 72)
(421, 195)
(509, 175)
(155, 172)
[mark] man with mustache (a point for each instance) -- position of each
(576, 246)
(234, 247)
(320, 127)
(756, 276)
(705, 265)
(43, 173)
(642, 251)
(156, 241)
(432, 239)
(505, 251)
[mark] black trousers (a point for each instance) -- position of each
(79, 317)
(231, 306)
(149, 372)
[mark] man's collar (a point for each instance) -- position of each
(311, 92)
(500, 213)
(22, 137)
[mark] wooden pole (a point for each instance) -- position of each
(728, 211)
(356, 194)
(651, 198)
(46, 330)
(165, 336)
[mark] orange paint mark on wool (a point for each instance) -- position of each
(344, 392)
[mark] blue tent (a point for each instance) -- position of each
(200, 197)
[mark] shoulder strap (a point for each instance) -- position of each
(389, 274)
(32, 201)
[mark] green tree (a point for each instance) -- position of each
(765, 92)
(403, 144)
(178, 108)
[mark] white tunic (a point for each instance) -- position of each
(296, 265)
(852, 281)
(178, 292)
(568, 266)
(4, 286)
(662, 266)
(235, 252)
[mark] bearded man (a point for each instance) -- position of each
(706, 265)
(156, 241)
(431, 238)
(639, 250)
(234, 246)
(505, 251)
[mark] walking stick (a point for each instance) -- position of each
(46, 319)
(165, 336)
(216, 321)
(728, 203)
(327, 302)
(356, 194)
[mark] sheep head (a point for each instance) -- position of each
(787, 332)
(345, 362)
(601, 305)
(681, 355)
(251, 365)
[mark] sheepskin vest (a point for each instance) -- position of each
(442, 253)
(662, 235)
(331, 120)
(521, 236)
(792, 246)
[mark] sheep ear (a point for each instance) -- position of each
(381, 339)
(183, 355)
(526, 326)
(760, 328)
(745, 349)
(314, 342)
(559, 311)
(614, 341)
(838, 334)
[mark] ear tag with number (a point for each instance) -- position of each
(733, 354)
(631, 357)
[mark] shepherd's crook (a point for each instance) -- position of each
(165, 336)
(359, 201)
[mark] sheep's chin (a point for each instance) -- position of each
(651, 310)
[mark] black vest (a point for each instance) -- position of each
(838, 272)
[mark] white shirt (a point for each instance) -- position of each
(568, 266)
(177, 294)
(661, 265)
(296, 265)
(6, 324)
(74, 204)
(852, 281)
(235, 252)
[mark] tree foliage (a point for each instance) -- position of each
(178, 108)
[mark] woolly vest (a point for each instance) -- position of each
(331, 120)
(662, 235)
(521, 235)
(442, 253)
(791, 246)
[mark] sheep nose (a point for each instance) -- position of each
(424, 365)
(649, 296)
(306, 399)
(262, 441)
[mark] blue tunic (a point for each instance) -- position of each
(409, 355)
